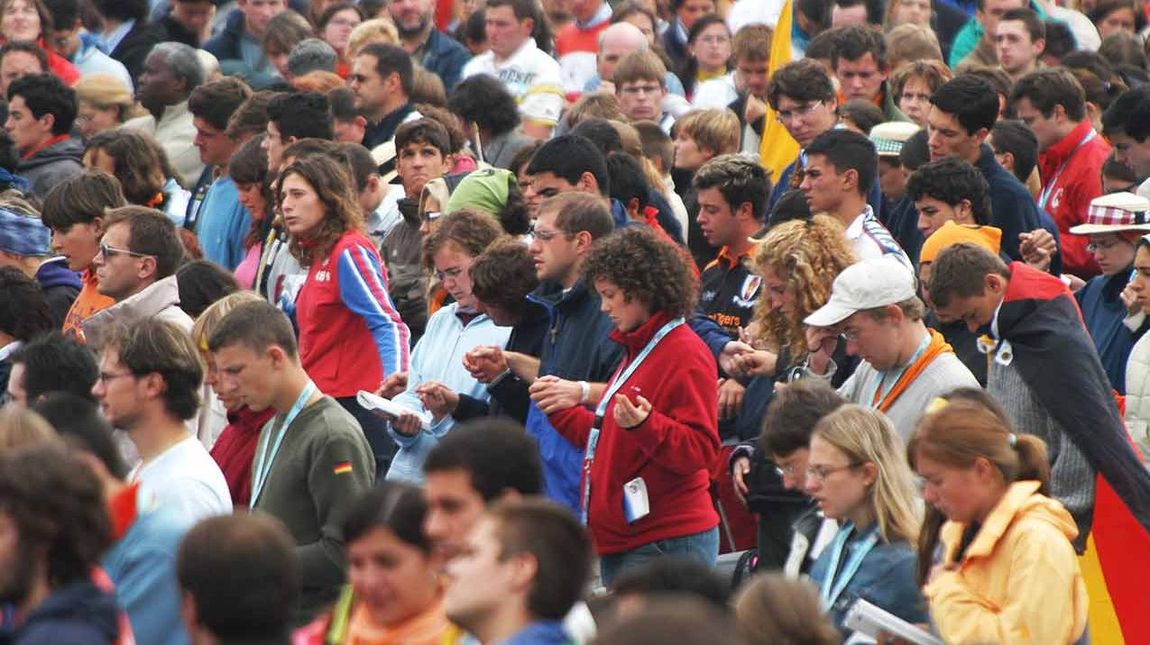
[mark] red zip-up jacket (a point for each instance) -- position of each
(1073, 189)
(350, 335)
(672, 450)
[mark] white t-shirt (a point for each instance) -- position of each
(185, 479)
(530, 75)
(716, 92)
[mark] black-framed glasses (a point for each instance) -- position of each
(111, 252)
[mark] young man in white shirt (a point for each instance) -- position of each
(530, 74)
(841, 168)
(149, 384)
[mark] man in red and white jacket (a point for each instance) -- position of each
(1070, 158)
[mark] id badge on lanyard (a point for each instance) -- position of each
(601, 410)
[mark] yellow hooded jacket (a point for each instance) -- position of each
(1018, 581)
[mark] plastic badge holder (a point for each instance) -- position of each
(870, 620)
(372, 401)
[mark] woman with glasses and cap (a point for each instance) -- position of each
(1114, 223)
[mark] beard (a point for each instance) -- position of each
(409, 32)
(16, 583)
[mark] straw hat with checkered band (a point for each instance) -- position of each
(1115, 213)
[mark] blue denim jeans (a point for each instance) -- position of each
(703, 547)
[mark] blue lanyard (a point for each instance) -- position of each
(263, 460)
(878, 395)
(830, 591)
(612, 388)
(1042, 199)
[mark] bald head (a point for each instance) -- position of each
(615, 42)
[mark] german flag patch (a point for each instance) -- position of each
(342, 468)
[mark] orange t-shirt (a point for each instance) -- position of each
(88, 302)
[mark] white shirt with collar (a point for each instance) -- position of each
(871, 240)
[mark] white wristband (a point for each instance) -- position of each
(585, 390)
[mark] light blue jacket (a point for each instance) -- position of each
(438, 356)
(88, 59)
(142, 565)
(223, 224)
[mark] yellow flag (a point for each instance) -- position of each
(777, 148)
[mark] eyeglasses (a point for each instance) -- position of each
(450, 273)
(431, 216)
(714, 40)
(546, 236)
(799, 112)
(790, 470)
(850, 335)
(105, 377)
(820, 473)
(636, 90)
(1094, 247)
(111, 252)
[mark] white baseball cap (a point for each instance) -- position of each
(866, 285)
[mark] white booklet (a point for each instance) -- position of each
(867, 619)
(372, 401)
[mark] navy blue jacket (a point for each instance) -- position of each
(1103, 312)
(901, 219)
(1012, 208)
(444, 56)
(75, 613)
(576, 347)
(509, 396)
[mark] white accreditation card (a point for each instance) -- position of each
(636, 504)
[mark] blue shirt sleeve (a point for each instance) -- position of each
(362, 289)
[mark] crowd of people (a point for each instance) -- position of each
(574, 321)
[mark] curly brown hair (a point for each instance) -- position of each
(808, 255)
(504, 274)
(333, 184)
(645, 266)
(469, 231)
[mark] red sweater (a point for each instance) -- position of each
(672, 450)
(236, 448)
(1073, 189)
(350, 335)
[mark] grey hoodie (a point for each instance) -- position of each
(52, 165)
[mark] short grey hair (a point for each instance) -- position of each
(311, 55)
(184, 61)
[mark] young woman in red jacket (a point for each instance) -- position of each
(650, 440)
(350, 335)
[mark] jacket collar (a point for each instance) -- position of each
(634, 341)
(986, 162)
(1062, 151)
(155, 298)
(724, 258)
(59, 138)
(1020, 497)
